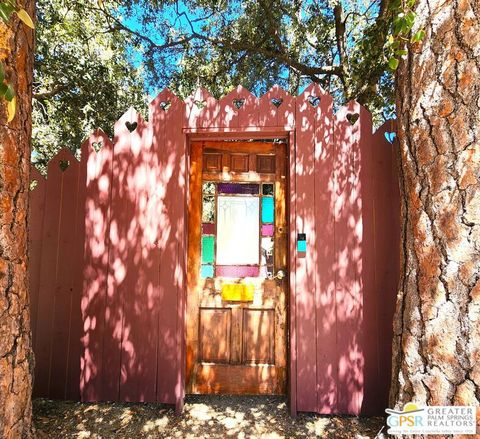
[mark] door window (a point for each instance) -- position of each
(237, 229)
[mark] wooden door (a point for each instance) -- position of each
(236, 303)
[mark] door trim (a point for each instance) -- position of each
(194, 135)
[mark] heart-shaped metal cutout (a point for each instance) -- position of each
(200, 104)
(238, 103)
(165, 105)
(97, 145)
(131, 126)
(314, 101)
(390, 136)
(276, 102)
(63, 164)
(352, 117)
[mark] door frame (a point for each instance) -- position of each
(219, 134)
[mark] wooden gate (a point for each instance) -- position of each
(108, 245)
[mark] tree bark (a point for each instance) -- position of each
(436, 347)
(16, 356)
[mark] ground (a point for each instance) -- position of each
(204, 417)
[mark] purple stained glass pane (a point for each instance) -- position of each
(237, 270)
(208, 229)
(238, 188)
(267, 230)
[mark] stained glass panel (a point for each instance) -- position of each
(208, 249)
(206, 271)
(208, 187)
(237, 230)
(267, 189)
(267, 210)
(267, 229)
(208, 210)
(267, 251)
(238, 188)
(208, 229)
(238, 270)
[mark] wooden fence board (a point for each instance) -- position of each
(95, 266)
(76, 281)
(171, 183)
(48, 276)
(327, 373)
(36, 213)
(64, 274)
(305, 262)
(346, 248)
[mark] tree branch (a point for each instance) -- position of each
(46, 95)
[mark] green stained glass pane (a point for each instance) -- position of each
(268, 209)
(206, 271)
(208, 245)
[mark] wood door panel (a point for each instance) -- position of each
(258, 336)
(215, 326)
(240, 379)
(237, 345)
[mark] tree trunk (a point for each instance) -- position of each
(436, 348)
(16, 357)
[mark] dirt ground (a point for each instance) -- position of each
(204, 417)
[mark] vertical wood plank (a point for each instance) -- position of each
(36, 212)
(46, 296)
(123, 266)
(95, 268)
(63, 276)
(76, 280)
(136, 237)
(169, 144)
(232, 117)
(387, 249)
(305, 263)
(368, 398)
(348, 229)
(326, 330)
(201, 110)
(271, 115)
(292, 283)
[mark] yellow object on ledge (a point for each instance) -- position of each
(238, 292)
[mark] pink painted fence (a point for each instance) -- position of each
(108, 251)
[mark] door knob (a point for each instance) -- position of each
(280, 275)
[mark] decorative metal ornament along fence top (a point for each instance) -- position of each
(108, 251)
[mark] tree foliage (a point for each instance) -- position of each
(96, 58)
(343, 45)
(82, 76)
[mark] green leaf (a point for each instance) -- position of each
(419, 36)
(6, 11)
(393, 63)
(10, 93)
(410, 19)
(3, 89)
(401, 52)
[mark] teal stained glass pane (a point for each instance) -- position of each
(206, 271)
(268, 209)
(208, 249)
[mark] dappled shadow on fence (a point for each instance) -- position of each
(108, 246)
